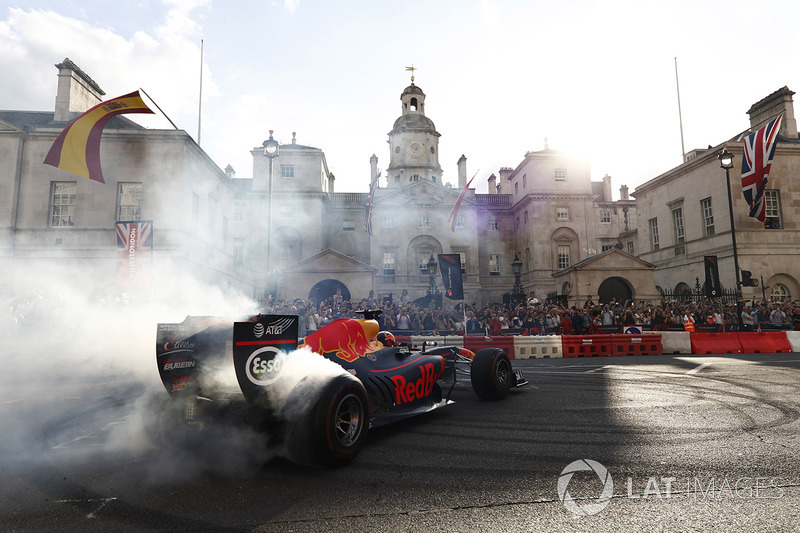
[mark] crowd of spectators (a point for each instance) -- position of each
(532, 317)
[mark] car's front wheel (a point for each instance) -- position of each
(491, 374)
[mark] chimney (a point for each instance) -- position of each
(230, 172)
(505, 172)
(606, 188)
(623, 193)
(462, 172)
(492, 184)
(768, 108)
(77, 92)
(373, 168)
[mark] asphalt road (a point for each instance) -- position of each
(677, 443)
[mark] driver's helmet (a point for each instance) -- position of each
(386, 338)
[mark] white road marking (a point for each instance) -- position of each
(698, 369)
(105, 501)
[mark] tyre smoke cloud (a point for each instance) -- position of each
(80, 380)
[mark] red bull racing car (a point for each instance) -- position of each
(327, 404)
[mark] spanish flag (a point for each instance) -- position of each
(77, 148)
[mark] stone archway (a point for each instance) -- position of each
(326, 288)
(614, 287)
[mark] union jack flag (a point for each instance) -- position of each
(759, 149)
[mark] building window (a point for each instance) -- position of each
(780, 293)
(677, 218)
(494, 264)
(562, 213)
(708, 217)
(605, 248)
(212, 213)
(605, 216)
(238, 213)
(463, 259)
(388, 264)
(563, 256)
(348, 225)
(62, 203)
(415, 177)
(516, 222)
(630, 247)
(772, 208)
(524, 181)
(195, 211)
(654, 233)
(516, 188)
(129, 201)
(238, 253)
(424, 221)
(493, 225)
(424, 257)
(388, 221)
(459, 221)
(525, 217)
(561, 174)
(287, 171)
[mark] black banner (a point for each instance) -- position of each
(450, 265)
(713, 288)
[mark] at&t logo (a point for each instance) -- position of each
(589, 507)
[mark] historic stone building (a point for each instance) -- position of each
(684, 215)
(287, 232)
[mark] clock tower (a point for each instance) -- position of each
(414, 143)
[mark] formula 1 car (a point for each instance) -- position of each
(277, 378)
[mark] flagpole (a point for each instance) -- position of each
(200, 98)
(159, 108)
(680, 117)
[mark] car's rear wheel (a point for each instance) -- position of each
(340, 421)
(491, 374)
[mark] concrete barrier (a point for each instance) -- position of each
(675, 342)
(537, 347)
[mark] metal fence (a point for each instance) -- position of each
(686, 296)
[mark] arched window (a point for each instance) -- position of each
(780, 293)
(413, 104)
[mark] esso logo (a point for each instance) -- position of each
(264, 366)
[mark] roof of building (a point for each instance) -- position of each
(30, 120)
(413, 121)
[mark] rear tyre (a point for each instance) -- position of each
(491, 374)
(340, 421)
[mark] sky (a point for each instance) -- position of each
(502, 77)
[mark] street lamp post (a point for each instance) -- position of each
(271, 151)
(516, 267)
(726, 162)
(432, 276)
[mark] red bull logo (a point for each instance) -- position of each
(408, 391)
(346, 337)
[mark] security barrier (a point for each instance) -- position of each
(440, 340)
(537, 347)
(645, 344)
(705, 343)
(479, 342)
(673, 342)
(586, 345)
(764, 342)
(794, 340)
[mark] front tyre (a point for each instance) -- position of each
(491, 374)
(340, 421)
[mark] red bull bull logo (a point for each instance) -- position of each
(346, 337)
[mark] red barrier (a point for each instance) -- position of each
(479, 342)
(586, 345)
(764, 342)
(704, 343)
(644, 344)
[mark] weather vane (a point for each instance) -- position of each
(412, 69)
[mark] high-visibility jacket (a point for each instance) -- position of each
(688, 323)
